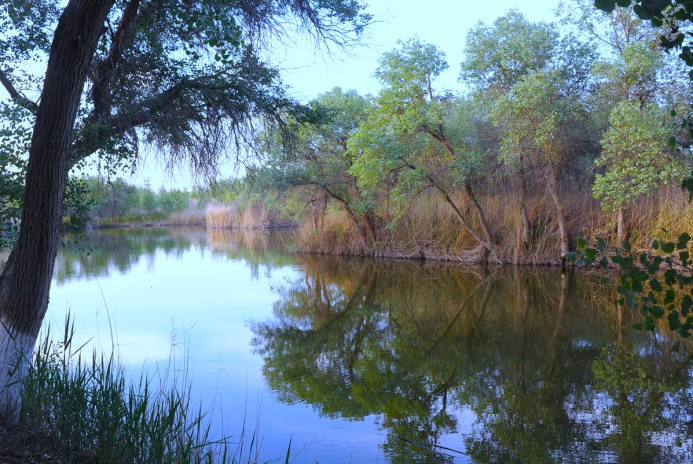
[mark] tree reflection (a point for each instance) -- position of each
(539, 357)
(102, 252)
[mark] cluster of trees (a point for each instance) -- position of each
(101, 200)
(117, 198)
(547, 114)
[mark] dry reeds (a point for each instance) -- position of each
(430, 230)
(231, 216)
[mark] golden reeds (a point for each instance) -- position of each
(429, 228)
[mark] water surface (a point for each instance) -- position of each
(365, 361)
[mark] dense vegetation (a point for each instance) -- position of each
(553, 134)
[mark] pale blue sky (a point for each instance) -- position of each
(441, 22)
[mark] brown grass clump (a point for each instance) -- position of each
(429, 229)
(187, 217)
(231, 216)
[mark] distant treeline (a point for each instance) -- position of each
(103, 202)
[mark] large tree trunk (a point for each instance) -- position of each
(26, 279)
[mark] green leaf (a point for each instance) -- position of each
(600, 244)
(604, 280)
(668, 247)
(581, 243)
(674, 322)
(670, 277)
(686, 304)
(682, 243)
(655, 285)
(605, 5)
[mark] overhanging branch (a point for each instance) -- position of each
(17, 97)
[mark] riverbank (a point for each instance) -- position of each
(429, 229)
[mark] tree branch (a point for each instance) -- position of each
(105, 68)
(17, 97)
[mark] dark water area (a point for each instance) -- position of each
(363, 360)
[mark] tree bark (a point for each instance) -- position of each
(26, 279)
(620, 226)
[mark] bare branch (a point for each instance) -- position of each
(17, 97)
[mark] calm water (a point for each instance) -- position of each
(366, 361)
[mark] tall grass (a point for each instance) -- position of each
(430, 229)
(93, 414)
(230, 215)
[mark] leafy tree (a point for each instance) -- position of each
(185, 77)
(499, 56)
(148, 199)
(636, 158)
(14, 141)
(321, 161)
(437, 152)
(632, 75)
(539, 117)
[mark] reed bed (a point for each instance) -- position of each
(429, 229)
(227, 216)
(189, 217)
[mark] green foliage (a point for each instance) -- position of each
(77, 205)
(15, 137)
(635, 156)
(183, 78)
(538, 118)
(632, 75)
(499, 56)
(407, 75)
(321, 160)
(415, 136)
(657, 284)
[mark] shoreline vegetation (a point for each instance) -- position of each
(429, 229)
(70, 399)
(556, 136)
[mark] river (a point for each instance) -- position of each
(380, 361)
